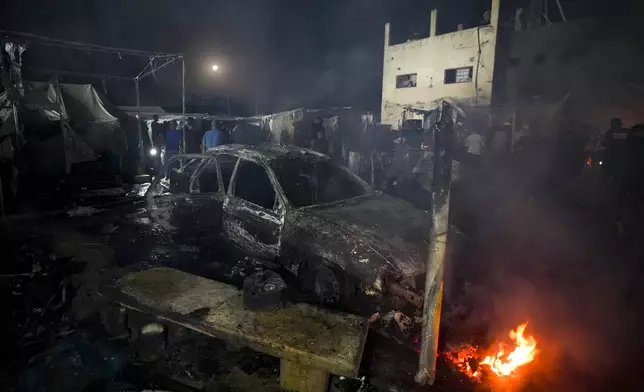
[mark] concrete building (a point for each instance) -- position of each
(459, 65)
(594, 68)
(580, 69)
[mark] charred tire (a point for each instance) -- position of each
(330, 287)
(263, 290)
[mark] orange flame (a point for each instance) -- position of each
(464, 358)
(503, 364)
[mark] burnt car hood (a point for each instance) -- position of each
(392, 228)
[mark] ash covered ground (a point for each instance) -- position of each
(557, 260)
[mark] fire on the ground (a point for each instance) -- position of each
(504, 360)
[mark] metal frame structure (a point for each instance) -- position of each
(152, 56)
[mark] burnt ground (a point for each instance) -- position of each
(557, 260)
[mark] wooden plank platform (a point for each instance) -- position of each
(303, 336)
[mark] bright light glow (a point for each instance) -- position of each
(215, 67)
(601, 163)
(505, 363)
(153, 152)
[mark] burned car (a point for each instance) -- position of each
(298, 208)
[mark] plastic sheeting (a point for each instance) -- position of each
(94, 119)
(48, 111)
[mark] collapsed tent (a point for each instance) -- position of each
(63, 124)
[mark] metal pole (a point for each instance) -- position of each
(183, 103)
(563, 17)
(443, 145)
(138, 124)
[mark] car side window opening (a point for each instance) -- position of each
(180, 174)
(176, 176)
(253, 185)
(226, 165)
(307, 183)
(207, 180)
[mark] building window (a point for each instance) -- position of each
(405, 81)
(458, 75)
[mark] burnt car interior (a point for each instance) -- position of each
(308, 183)
(179, 173)
(253, 185)
(208, 181)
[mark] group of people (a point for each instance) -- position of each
(170, 136)
(496, 146)
(624, 156)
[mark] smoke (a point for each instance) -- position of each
(563, 268)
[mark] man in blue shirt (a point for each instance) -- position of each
(213, 137)
(172, 139)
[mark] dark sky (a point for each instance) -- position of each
(288, 52)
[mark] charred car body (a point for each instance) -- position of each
(298, 208)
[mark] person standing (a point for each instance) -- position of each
(474, 145)
(616, 144)
(500, 144)
(320, 144)
(172, 140)
(213, 137)
(157, 130)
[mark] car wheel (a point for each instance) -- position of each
(326, 286)
(263, 290)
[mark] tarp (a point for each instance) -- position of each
(91, 116)
(295, 126)
(64, 124)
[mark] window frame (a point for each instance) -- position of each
(400, 85)
(225, 188)
(456, 70)
(156, 182)
(199, 171)
(368, 190)
(276, 189)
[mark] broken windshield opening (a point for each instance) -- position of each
(175, 177)
(308, 183)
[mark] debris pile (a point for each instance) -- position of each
(37, 287)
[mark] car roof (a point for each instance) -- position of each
(267, 152)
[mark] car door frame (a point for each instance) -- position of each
(167, 210)
(276, 216)
(200, 201)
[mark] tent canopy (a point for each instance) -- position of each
(90, 114)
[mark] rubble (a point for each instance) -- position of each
(82, 211)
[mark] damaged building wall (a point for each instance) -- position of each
(458, 65)
(598, 69)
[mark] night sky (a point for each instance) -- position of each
(287, 53)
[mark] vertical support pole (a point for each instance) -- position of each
(297, 378)
(563, 16)
(183, 103)
(514, 131)
(257, 103)
(138, 124)
(443, 145)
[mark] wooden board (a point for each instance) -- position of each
(301, 334)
